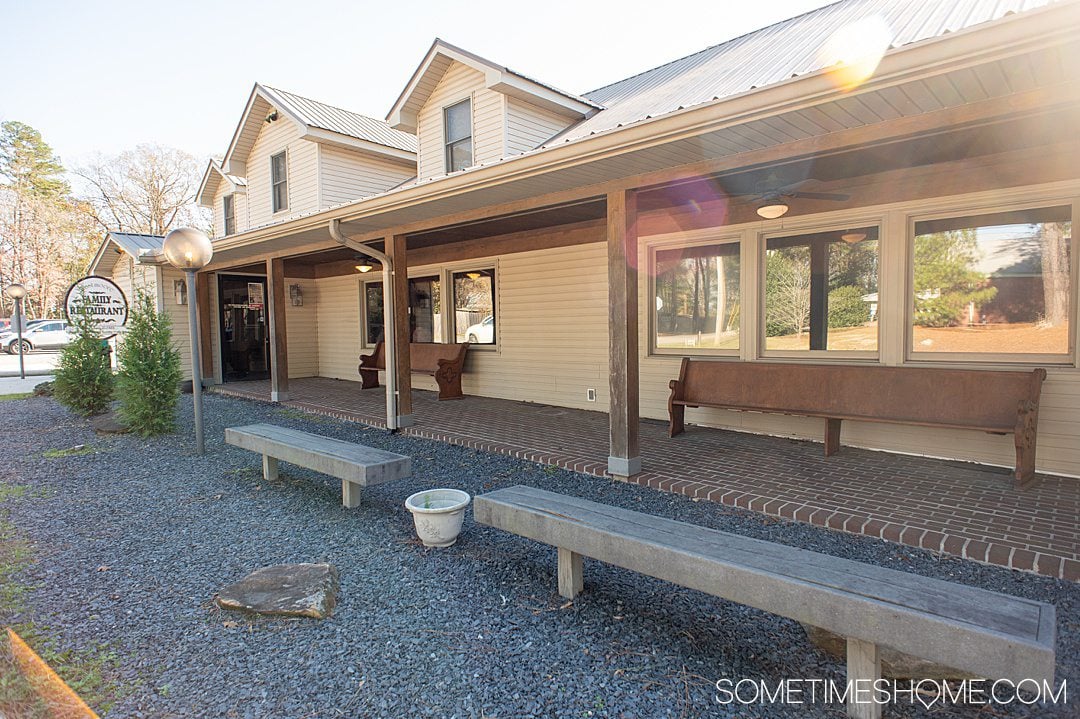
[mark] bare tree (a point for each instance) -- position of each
(148, 190)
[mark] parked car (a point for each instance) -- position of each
(483, 332)
(38, 335)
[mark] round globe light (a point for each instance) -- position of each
(15, 291)
(187, 248)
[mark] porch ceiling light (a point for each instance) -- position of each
(473, 275)
(773, 210)
(364, 266)
(187, 249)
(853, 237)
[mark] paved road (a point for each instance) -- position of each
(37, 363)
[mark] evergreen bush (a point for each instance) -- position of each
(150, 371)
(84, 379)
(847, 307)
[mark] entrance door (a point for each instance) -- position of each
(245, 339)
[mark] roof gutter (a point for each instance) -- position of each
(393, 420)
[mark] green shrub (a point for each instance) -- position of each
(84, 380)
(847, 308)
(150, 374)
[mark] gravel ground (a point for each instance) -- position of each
(476, 630)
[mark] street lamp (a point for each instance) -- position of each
(190, 250)
(16, 292)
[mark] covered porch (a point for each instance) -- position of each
(962, 509)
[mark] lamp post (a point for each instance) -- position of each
(16, 292)
(190, 250)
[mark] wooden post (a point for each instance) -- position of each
(570, 577)
(819, 295)
(275, 312)
(395, 250)
(624, 459)
(863, 670)
(202, 311)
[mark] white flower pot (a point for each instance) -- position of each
(438, 514)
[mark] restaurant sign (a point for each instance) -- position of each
(102, 299)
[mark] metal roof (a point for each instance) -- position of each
(776, 53)
(135, 245)
(334, 119)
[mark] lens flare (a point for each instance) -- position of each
(853, 52)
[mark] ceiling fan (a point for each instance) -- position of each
(769, 197)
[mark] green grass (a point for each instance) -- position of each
(17, 395)
(76, 451)
(292, 413)
(91, 673)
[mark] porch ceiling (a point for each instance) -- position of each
(963, 110)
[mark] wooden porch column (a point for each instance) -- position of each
(819, 295)
(395, 250)
(275, 313)
(202, 314)
(624, 456)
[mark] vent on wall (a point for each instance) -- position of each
(590, 394)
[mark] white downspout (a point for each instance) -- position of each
(389, 349)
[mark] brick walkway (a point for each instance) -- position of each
(953, 507)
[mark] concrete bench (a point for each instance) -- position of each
(354, 464)
(978, 631)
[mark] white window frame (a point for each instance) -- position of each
(821, 225)
(960, 209)
(445, 134)
(227, 201)
(277, 210)
(451, 330)
(653, 249)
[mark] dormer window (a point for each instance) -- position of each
(229, 211)
(457, 123)
(279, 181)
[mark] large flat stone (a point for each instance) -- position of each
(294, 590)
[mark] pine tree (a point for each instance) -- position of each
(84, 379)
(150, 371)
(29, 164)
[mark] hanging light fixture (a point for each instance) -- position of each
(853, 236)
(364, 265)
(773, 209)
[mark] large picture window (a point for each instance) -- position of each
(996, 283)
(697, 297)
(821, 291)
(474, 306)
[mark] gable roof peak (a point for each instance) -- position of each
(497, 77)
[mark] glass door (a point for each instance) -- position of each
(245, 339)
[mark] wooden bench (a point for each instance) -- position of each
(974, 630)
(354, 464)
(994, 402)
(443, 361)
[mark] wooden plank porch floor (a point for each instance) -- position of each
(958, 508)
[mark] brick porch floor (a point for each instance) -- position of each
(953, 507)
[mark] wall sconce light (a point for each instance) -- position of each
(773, 210)
(180, 291)
(296, 295)
(852, 237)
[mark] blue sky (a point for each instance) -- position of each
(104, 76)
